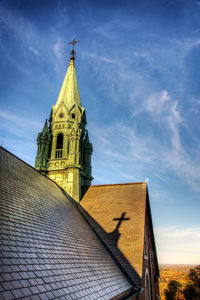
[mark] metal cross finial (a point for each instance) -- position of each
(74, 42)
(121, 219)
(73, 51)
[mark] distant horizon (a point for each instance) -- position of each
(179, 264)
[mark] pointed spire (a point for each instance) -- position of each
(69, 93)
(45, 133)
(87, 137)
(45, 130)
(88, 145)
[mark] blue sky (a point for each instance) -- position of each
(138, 69)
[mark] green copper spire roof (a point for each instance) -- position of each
(45, 130)
(69, 93)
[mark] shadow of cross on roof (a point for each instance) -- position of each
(120, 220)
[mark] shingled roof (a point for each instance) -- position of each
(117, 213)
(48, 250)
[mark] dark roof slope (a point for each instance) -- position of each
(117, 214)
(48, 251)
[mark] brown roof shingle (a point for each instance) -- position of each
(102, 205)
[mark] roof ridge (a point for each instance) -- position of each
(31, 202)
(114, 184)
(29, 165)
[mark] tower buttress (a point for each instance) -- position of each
(44, 143)
(68, 161)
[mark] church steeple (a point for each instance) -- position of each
(69, 163)
(69, 93)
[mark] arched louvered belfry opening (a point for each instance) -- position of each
(59, 146)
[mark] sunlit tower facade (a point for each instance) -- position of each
(64, 149)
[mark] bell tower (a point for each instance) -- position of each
(67, 151)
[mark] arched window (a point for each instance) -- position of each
(147, 286)
(59, 146)
(145, 247)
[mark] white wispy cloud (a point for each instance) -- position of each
(190, 43)
(20, 133)
(113, 75)
(178, 245)
(27, 39)
(33, 50)
(22, 148)
(57, 49)
(162, 152)
(195, 106)
(103, 58)
(164, 112)
(19, 125)
(16, 118)
(143, 152)
(21, 28)
(63, 12)
(157, 103)
(174, 232)
(24, 38)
